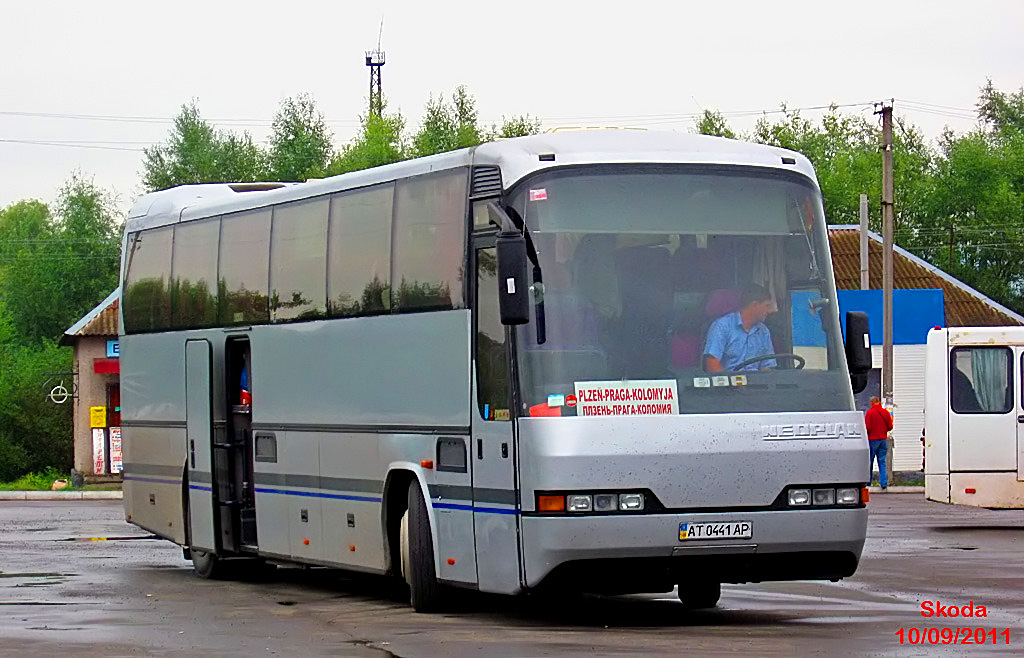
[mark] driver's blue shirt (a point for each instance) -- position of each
(731, 344)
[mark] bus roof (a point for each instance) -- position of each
(517, 158)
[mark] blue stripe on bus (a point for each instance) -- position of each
(152, 480)
(471, 508)
(198, 487)
(317, 494)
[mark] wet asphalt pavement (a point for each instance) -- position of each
(61, 593)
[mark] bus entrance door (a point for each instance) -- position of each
(199, 427)
(495, 502)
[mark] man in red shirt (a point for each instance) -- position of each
(879, 423)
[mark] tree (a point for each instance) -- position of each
(197, 153)
(713, 123)
(977, 203)
(300, 143)
(448, 126)
(845, 152)
(54, 269)
(379, 142)
(515, 126)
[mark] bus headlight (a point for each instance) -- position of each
(579, 503)
(847, 496)
(606, 502)
(799, 497)
(631, 501)
(824, 496)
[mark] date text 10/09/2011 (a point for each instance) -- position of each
(934, 635)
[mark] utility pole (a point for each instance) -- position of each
(887, 245)
(864, 271)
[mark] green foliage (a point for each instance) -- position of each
(34, 432)
(978, 201)
(713, 123)
(515, 126)
(197, 153)
(55, 268)
(37, 481)
(300, 143)
(379, 142)
(448, 126)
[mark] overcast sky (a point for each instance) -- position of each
(111, 75)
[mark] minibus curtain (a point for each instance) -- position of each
(989, 370)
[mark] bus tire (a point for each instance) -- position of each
(700, 595)
(207, 565)
(417, 554)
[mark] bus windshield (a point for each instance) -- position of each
(679, 289)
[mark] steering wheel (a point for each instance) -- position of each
(797, 360)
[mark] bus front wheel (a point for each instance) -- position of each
(206, 565)
(417, 554)
(699, 595)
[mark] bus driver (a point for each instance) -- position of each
(741, 335)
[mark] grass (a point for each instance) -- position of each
(41, 481)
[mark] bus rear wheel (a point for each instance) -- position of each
(417, 554)
(700, 595)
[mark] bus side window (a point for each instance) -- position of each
(491, 348)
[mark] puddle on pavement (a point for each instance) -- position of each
(127, 538)
(34, 574)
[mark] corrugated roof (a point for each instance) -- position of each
(100, 321)
(965, 306)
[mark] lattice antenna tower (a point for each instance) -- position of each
(375, 61)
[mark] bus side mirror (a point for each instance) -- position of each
(513, 289)
(858, 349)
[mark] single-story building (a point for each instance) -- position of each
(97, 391)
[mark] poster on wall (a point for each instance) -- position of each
(116, 457)
(99, 456)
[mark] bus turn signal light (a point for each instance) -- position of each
(970, 491)
(551, 503)
(865, 495)
(427, 463)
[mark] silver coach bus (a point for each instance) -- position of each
(519, 365)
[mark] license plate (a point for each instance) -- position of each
(730, 530)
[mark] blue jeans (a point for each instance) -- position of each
(879, 450)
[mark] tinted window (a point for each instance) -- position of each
(491, 361)
(979, 380)
(146, 298)
(360, 252)
(429, 242)
(244, 252)
(298, 261)
(194, 271)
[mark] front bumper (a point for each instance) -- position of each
(643, 552)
